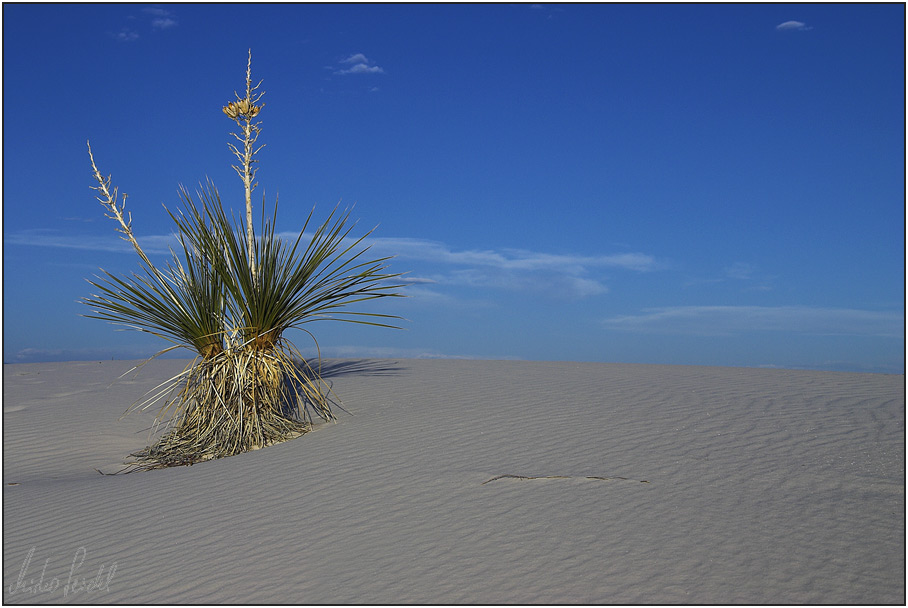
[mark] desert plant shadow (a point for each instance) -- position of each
(333, 368)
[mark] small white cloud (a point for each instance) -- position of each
(355, 58)
(793, 26)
(362, 68)
(162, 18)
(126, 35)
(359, 64)
(163, 23)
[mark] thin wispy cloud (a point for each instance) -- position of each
(510, 259)
(557, 275)
(423, 250)
(740, 270)
(746, 275)
(743, 275)
(358, 64)
(417, 280)
(737, 320)
(152, 244)
(793, 26)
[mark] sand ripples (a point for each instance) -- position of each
(763, 486)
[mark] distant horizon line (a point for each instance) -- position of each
(833, 366)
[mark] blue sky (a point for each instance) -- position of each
(683, 184)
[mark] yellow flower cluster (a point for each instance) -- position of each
(241, 108)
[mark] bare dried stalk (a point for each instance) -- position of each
(109, 200)
(243, 110)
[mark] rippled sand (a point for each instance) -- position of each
(452, 481)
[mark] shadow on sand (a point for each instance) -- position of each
(333, 368)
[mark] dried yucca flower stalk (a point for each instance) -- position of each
(243, 110)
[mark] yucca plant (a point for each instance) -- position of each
(229, 296)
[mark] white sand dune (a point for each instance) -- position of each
(762, 486)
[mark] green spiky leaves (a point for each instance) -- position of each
(207, 300)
